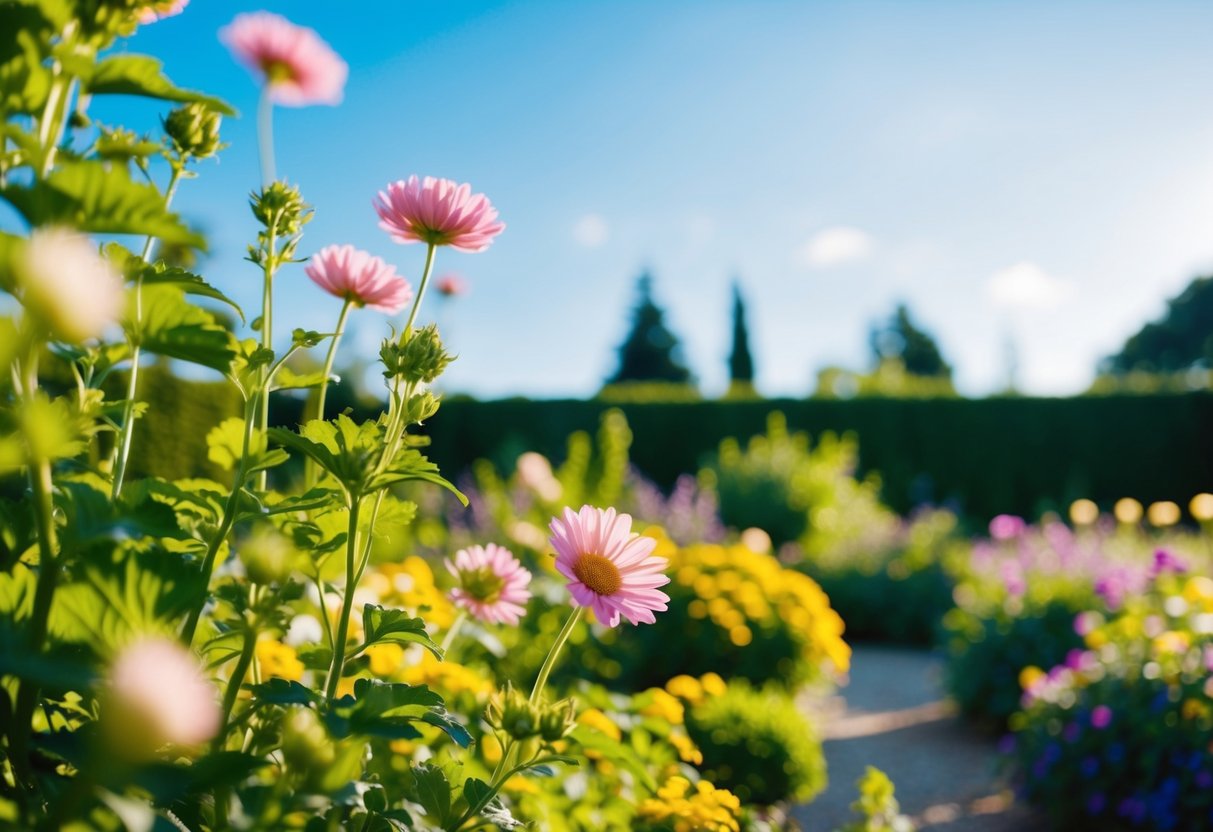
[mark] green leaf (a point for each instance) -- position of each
(287, 379)
(189, 283)
(382, 624)
(616, 752)
(174, 327)
(284, 692)
(410, 464)
(142, 75)
(433, 793)
(383, 709)
(475, 791)
(94, 196)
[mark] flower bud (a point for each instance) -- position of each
(421, 358)
(558, 720)
(194, 130)
(267, 556)
(69, 285)
(306, 746)
(280, 208)
(157, 696)
(510, 711)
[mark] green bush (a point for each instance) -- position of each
(758, 745)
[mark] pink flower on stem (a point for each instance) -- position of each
(158, 696)
(353, 274)
(610, 569)
(451, 285)
(162, 9)
(492, 584)
(295, 62)
(438, 212)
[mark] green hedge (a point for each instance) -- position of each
(986, 456)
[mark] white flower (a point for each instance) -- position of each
(68, 284)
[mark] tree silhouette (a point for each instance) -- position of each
(1181, 338)
(741, 361)
(650, 352)
(901, 340)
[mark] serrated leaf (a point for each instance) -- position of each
(381, 624)
(433, 793)
(188, 282)
(475, 791)
(383, 709)
(170, 325)
(287, 379)
(94, 196)
(284, 692)
(142, 75)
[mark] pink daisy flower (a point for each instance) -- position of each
(451, 285)
(351, 273)
(439, 212)
(492, 583)
(610, 568)
(296, 63)
(161, 9)
(158, 695)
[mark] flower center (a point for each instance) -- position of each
(483, 584)
(599, 574)
(277, 72)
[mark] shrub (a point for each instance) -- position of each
(757, 744)
(1120, 736)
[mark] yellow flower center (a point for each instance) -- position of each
(599, 574)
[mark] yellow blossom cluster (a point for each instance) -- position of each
(275, 659)
(683, 807)
(745, 593)
(410, 585)
(693, 691)
(448, 678)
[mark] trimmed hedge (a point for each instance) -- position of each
(983, 456)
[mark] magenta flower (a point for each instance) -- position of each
(158, 696)
(610, 569)
(451, 285)
(492, 584)
(161, 9)
(439, 212)
(1007, 527)
(1101, 716)
(352, 274)
(295, 62)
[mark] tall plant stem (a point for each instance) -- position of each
(267, 330)
(225, 526)
(395, 416)
(310, 466)
(234, 683)
(42, 487)
(347, 601)
(265, 135)
(127, 431)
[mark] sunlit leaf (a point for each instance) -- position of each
(142, 75)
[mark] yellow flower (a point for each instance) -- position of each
(713, 684)
(1195, 709)
(663, 706)
(1029, 676)
(520, 785)
(448, 678)
(1172, 641)
(703, 808)
(688, 752)
(600, 722)
(687, 688)
(490, 748)
(385, 658)
(278, 659)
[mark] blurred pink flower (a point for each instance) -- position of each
(68, 285)
(439, 212)
(296, 63)
(162, 9)
(492, 583)
(351, 273)
(610, 569)
(157, 696)
(1007, 527)
(451, 285)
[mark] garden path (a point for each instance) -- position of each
(894, 715)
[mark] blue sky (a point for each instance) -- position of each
(1039, 171)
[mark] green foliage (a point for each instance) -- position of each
(650, 352)
(1180, 339)
(141, 75)
(901, 340)
(758, 745)
(741, 362)
(876, 807)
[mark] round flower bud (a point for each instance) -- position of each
(558, 720)
(157, 696)
(267, 556)
(281, 205)
(69, 285)
(194, 130)
(510, 711)
(421, 358)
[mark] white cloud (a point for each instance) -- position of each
(591, 231)
(835, 246)
(1027, 286)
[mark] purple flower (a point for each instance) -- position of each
(1007, 527)
(1165, 562)
(1101, 717)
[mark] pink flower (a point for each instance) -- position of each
(68, 285)
(350, 273)
(158, 696)
(1101, 716)
(161, 9)
(610, 569)
(451, 285)
(299, 67)
(439, 212)
(492, 583)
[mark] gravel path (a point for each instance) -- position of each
(894, 715)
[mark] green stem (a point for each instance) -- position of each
(225, 526)
(395, 423)
(347, 602)
(310, 472)
(42, 486)
(127, 432)
(449, 638)
(265, 135)
(267, 330)
(425, 281)
(234, 683)
(554, 653)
